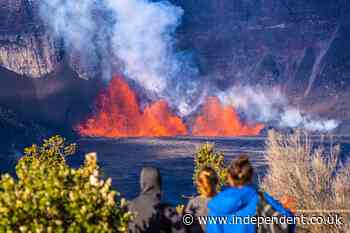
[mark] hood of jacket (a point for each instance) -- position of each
(150, 181)
(233, 199)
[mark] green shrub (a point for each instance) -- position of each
(50, 196)
(206, 156)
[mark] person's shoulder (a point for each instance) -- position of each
(227, 191)
(132, 202)
(137, 199)
(138, 202)
(230, 199)
(197, 199)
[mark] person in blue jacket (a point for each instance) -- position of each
(240, 199)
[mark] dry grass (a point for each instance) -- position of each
(314, 177)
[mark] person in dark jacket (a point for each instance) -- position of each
(206, 182)
(152, 215)
(240, 200)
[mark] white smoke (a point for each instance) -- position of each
(139, 33)
(74, 23)
(293, 117)
(271, 106)
(138, 36)
(142, 38)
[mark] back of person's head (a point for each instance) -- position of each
(240, 171)
(207, 182)
(150, 180)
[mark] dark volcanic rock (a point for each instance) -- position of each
(18, 16)
(59, 99)
(335, 73)
(26, 46)
(298, 45)
(17, 131)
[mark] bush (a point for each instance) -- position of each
(206, 156)
(50, 196)
(313, 176)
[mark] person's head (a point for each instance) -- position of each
(240, 171)
(207, 181)
(150, 180)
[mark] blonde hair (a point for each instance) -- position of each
(207, 182)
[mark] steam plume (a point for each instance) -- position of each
(139, 33)
(271, 106)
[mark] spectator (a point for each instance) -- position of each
(152, 215)
(207, 182)
(241, 200)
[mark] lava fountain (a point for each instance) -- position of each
(118, 114)
(219, 120)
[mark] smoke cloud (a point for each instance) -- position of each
(271, 106)
(137, 37)
(139, 34)
(83, 35)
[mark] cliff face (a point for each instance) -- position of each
(266, 41)
(25, 48)
(297, 45)
(30, 54)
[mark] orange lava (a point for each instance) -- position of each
(118, 114)
(290, 203)
(219, 120)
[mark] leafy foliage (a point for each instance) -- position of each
(206, 156)
(50, 196)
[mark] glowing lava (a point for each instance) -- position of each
(219, 120)
(118, 114)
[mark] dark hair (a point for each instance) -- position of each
(241, 170)
(207, 182)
